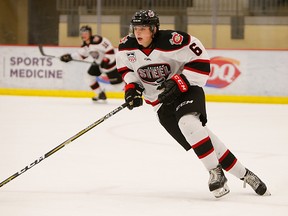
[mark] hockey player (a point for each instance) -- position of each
(102, 51)
(169, 68)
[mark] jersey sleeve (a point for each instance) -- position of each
(197, 63)
(109, 59)
(80, 54)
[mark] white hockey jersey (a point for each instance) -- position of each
(101, 50)
(172, 52)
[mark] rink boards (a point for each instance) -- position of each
(258, 76)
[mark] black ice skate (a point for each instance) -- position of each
(101, 96)
(255, 182)
(217, 182)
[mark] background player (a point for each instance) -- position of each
(102, 51)
(170, 68)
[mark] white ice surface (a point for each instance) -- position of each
(128, 165)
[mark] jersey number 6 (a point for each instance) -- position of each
(195, 49)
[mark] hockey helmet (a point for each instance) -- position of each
(145, 17)
(86, 28)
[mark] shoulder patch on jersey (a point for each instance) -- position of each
(169, 40)
(128, 43)
(96, 39)
(176, 38)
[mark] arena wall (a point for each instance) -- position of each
(259, 33)
(256, 76)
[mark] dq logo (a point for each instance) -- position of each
(223, 72)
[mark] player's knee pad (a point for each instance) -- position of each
(192, 129)
(189, 123)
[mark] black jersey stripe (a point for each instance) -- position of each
(199, 66)
(123, 71)
(110, 52)
(109, 66)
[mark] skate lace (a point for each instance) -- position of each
(215, 174)
(252, 180)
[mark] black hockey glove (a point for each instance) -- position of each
(133, 95)
(173, 88)
(66, 58)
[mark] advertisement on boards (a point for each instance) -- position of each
(233, 72)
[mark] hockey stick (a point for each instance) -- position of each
(51, 56)
(57, 148)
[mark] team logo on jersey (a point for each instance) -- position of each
(176, 39)
(94, 54)
(154, 73)
(224, 71)
(131, 56)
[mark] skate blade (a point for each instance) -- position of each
(99, 101)
(221, 191)
(267, 193)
